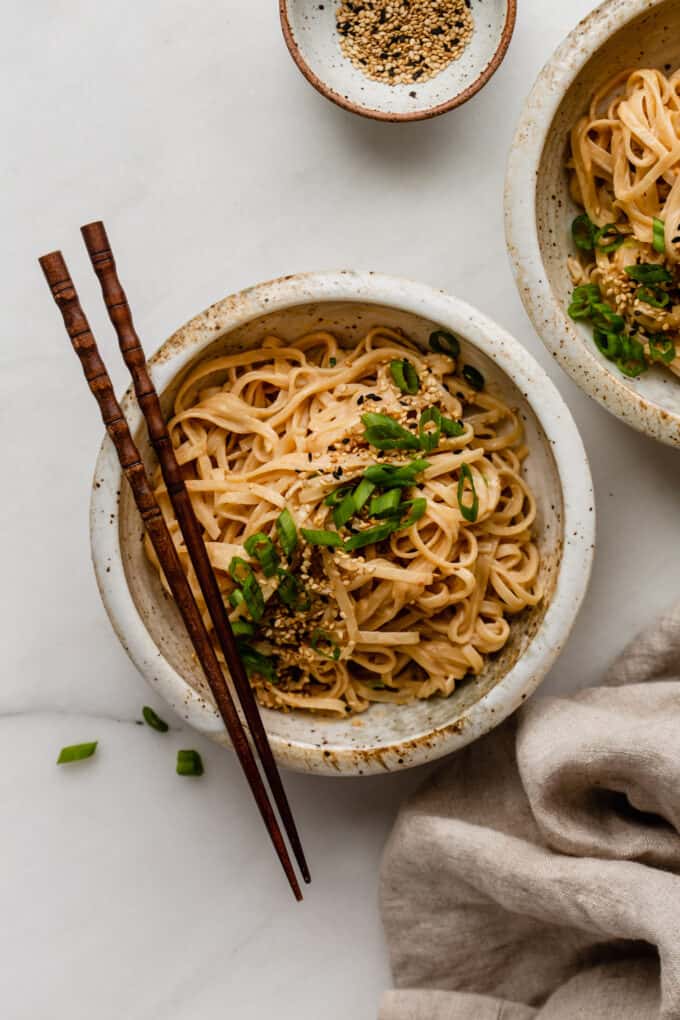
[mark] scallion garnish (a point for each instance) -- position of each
(468, 510)
(582, 300)
(452, 428)
(291, 592)
(236, 598)
(153, 720)
(189, 763)
(473, 377)
(583, 231)
(243, 574)
(656, 298)
(321, 537)
(243, 628)
(632, 359)
(385, 504)
(608, 238)
(362, 493)
(255, 663)
(391, 476)
(321, 641)
(344, 511)
(649, 273)
(658, 236)
(429, 438)
(442, 342)
(418, 508)
(606, 318)
(661, 348)
(239, 569)
(76, 752)
(405, 376)
(336, 497)
(261, 548)
(368, 537)
(385, 433)
(608, 343)
(287, 532)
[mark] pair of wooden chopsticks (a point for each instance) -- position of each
(85, 346)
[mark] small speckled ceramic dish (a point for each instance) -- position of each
(309, 28)
(386, 737)
(539, 211)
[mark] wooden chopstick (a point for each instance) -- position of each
(104, 265)
(84, 344)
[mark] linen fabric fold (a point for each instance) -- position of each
(537, 874)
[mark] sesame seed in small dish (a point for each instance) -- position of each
(398, 60)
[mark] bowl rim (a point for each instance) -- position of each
(546, 312)
(573, 473)
(433, 111)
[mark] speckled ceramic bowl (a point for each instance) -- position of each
(386, 737)
(539, 211)
(309, 28)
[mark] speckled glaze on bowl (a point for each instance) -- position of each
(539, 211)
(387, 737)
(312, 39)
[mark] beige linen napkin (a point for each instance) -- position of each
(536, 876)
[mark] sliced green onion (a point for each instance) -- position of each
(257, 664)
(429, 438)
(385, 433)
(611, 236)
(252, 593)
(362, 493)
(661, 348)
(583, 231)
(243, 628)
(655, 298)
(368, 537)
(321, 537)
(405, 376)
(632, 360)
(76, 752)
(473, 377)
(605, 317)
(239, 569)
(452, 428)
(287, 532)
(385, 504)
(291, 592)
(469, 511)
(442, 342)
(345, 510)
(236, 598)
(261, 548)
(336, 497)
(418, 508)
(582, 300)
(649, 273)
(321, 638)
(390, 476)
(153, 720)
(659, 236)
(608, 343)
(189, 763)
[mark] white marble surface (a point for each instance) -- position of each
(126, 891)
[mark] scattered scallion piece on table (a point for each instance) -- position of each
(442, 342)
(76, 752)
(659, 235)
(321, 537)
(473, 377)
(153, 720)
(468, 510)
(405, 376)
(189, 763)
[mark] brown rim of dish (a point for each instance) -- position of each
(433, 111)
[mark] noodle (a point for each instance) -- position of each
(283, 430)
(625, 172)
